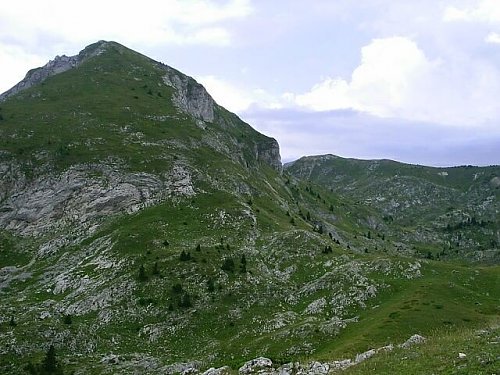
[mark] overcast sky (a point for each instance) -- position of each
(415, 81)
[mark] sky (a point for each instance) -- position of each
(413, 81)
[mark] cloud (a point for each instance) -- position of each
(355, 134)
(388, 70)
(484, 11)
(493, 38)
(33, 32)
(14, 61)
(147, 22)
(226, 94)
(238, 99)
(396, 79)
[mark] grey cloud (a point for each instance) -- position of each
(354, 134)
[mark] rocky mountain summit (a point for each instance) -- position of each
(60, 64)
(146, 229)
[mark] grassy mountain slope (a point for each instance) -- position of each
(145, 229)
(437, 212)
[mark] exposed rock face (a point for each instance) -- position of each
(35, 76)
(190, 96)
(269, 153)
(79, 195)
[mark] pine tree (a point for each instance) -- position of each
(186, 301)
(243, 265)
(185, 256)
(210, 285)
(67, 319)
(177, 288)
(49, 364)
(142, 274)
(228, 265)
(155, 270)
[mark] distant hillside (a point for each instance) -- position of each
(455, 210)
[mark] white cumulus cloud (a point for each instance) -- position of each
(395, 78)
(147, 22)
(14, 60)
(389, 69)
(483, 11)
(493, 38)
(32, 32)
(238, 99)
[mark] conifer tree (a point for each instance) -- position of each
(155, 271)
(243, 264)
(142, 274)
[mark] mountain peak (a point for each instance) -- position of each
(111, 83)
(58, 65)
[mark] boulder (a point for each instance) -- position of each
(256, 364)
(413, 340)
(217, 371)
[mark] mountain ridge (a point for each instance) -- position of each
(330, 156)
